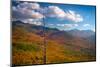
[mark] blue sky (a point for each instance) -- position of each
(61, 16)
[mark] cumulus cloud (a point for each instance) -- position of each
(54, 11)
(31, 21)
(23, 13)
(86, 25)
(26, 10)
(71, 15)
(29, 5)
(57, 12)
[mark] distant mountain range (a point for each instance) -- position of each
(74, 32)
(58, 35)
(82, 33)
(76, 44)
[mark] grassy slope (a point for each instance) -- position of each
(28, 49)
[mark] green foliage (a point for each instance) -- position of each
(26, 46)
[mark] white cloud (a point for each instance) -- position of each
(25, 11)
(29, 5)
(64, 26)
(38, 23)
(71, 15)
(57, 12)
(67, 25)
(86, 25)
(54, 11)
(37, 15)
(31, 21)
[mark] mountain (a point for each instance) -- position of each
(81, 38)
(28, 42)
(33, 28)
(81, 33)
(53, 31)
